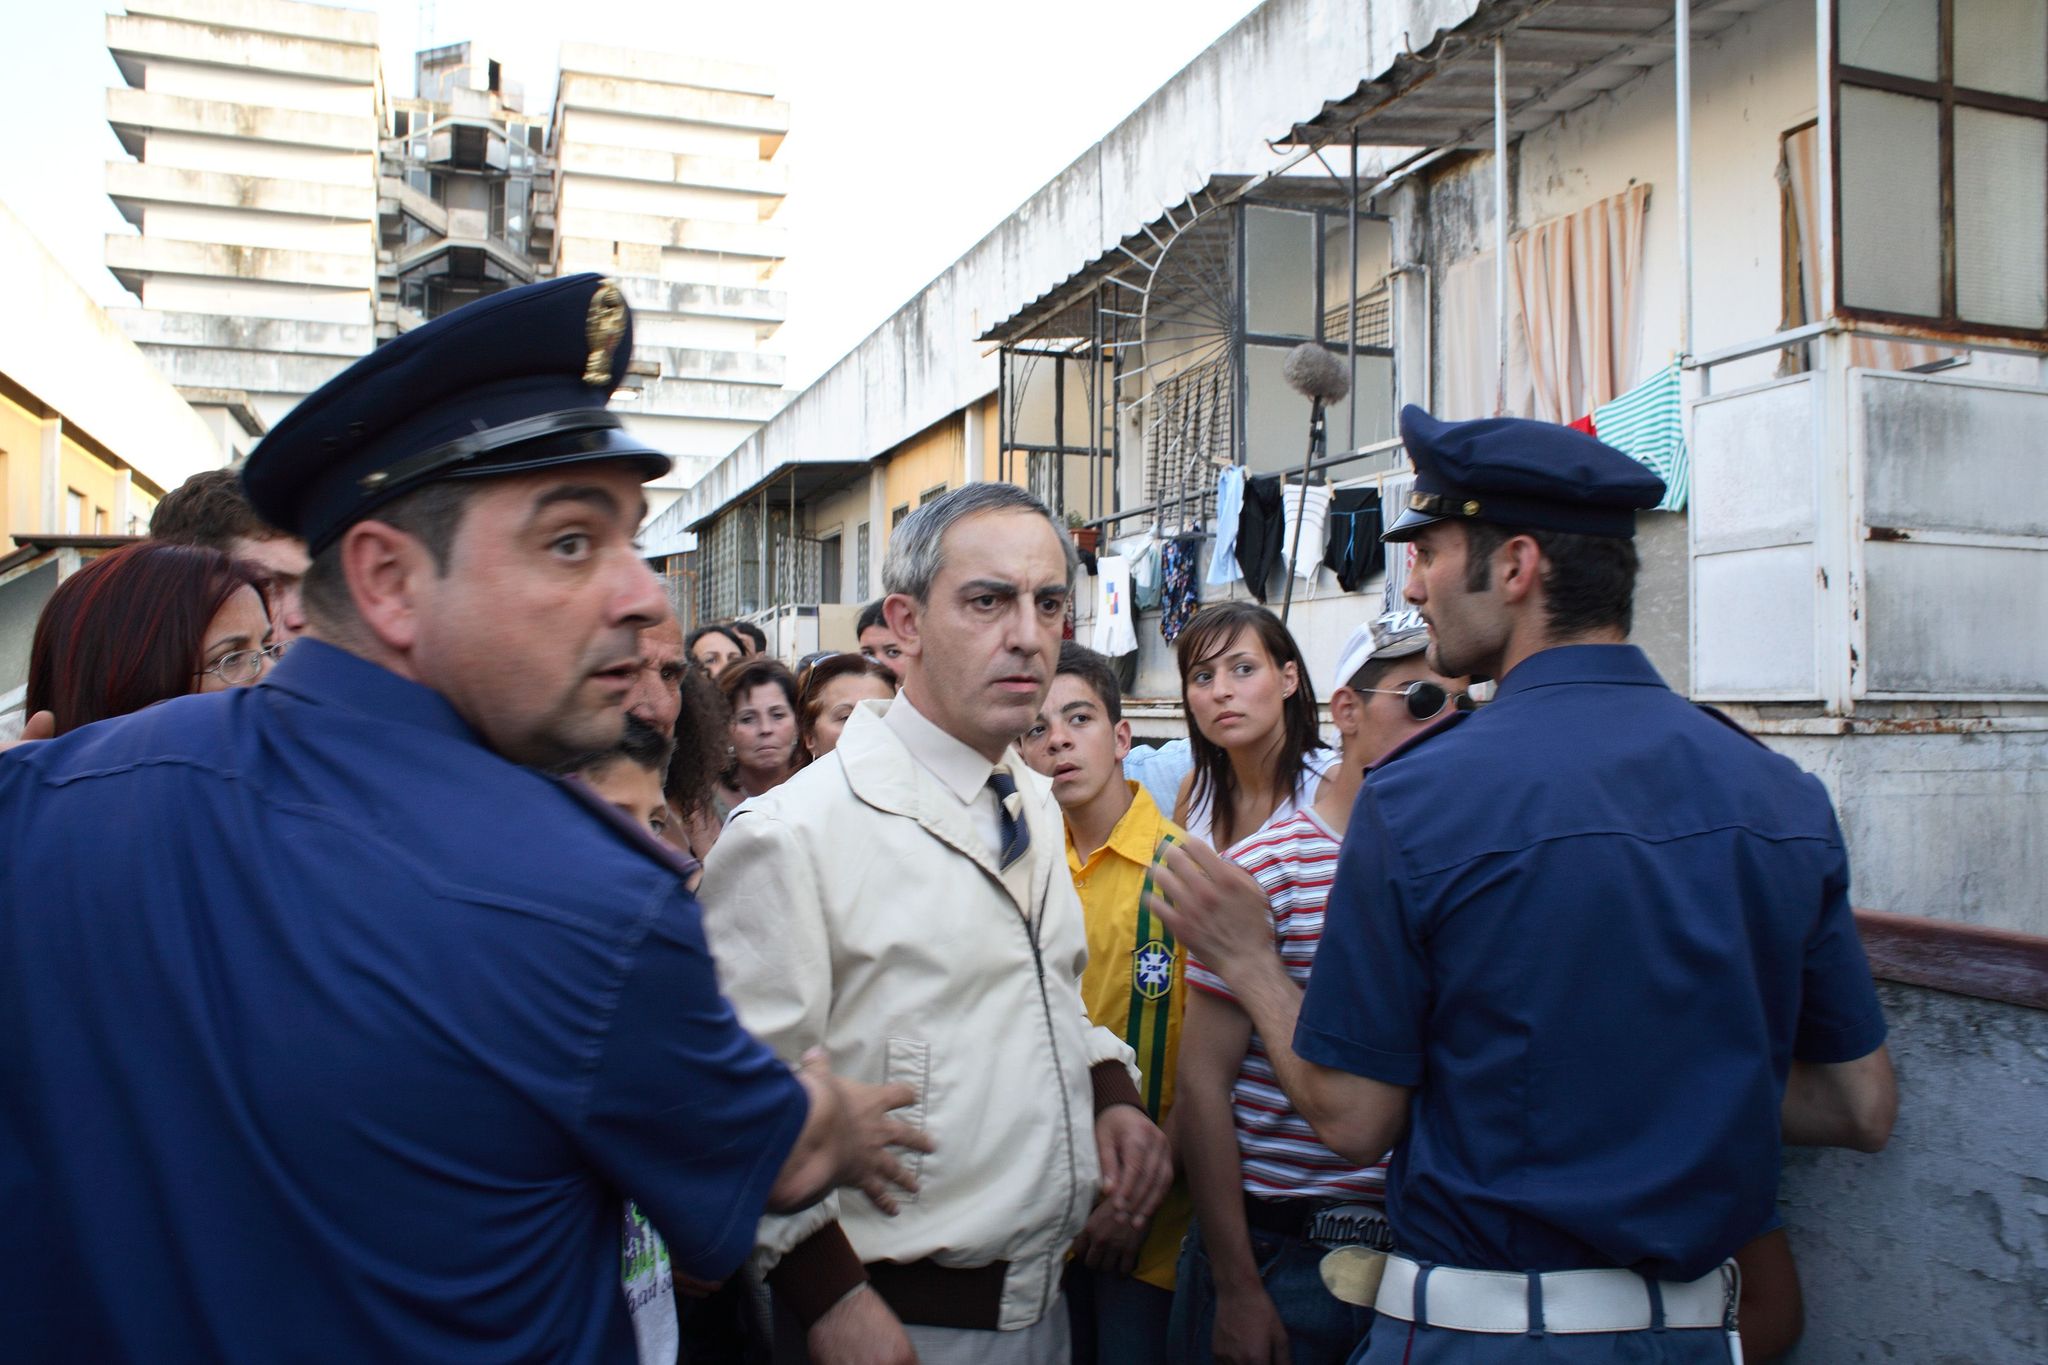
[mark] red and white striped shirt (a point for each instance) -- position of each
(1295, 861)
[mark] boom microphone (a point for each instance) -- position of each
(1318, 376)
(1315, 374)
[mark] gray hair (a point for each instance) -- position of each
(915, 557)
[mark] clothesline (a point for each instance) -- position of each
(1329, 462)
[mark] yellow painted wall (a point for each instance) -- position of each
(936, 455)
(79, 468)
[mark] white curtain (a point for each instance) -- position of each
(1575, 284)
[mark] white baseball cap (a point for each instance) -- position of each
(1395, 635)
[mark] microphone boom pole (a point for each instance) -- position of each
(1315, 374)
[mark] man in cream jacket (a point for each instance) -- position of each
(904, 904)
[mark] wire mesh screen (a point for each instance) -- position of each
(1188, 437)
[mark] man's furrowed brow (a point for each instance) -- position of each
(590, 495)
(988, 587)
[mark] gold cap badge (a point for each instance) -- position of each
(604, 328)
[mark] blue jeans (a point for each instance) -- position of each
(1117, 1319)
(1321, 1329)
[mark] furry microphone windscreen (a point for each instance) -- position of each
(1314, 373)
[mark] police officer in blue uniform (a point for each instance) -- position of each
(1589, 956)
(329, 1028)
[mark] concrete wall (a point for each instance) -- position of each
(1935, 1251)
(73, 359)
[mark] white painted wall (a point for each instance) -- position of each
(243, 227)
(603, 127)
(254, 298)
(276, 160)
(267, 89)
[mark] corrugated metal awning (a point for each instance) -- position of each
(1561, 54)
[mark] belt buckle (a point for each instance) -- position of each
(1358, 1224)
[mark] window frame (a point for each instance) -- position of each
(1944, 91)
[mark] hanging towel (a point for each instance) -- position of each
(1223, 569)
(1260, 545)
(1393, 501)
(1113, 634)
(1648, 424)
(1355, 553)
(1177, 584)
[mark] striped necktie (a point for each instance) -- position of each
(1016, 834)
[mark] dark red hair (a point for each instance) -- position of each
(126, 631)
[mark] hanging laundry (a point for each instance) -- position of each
(1143, 553)
(1260, 528)
(1393, 501)
(1113, 633)
(1354, 553)
(1178, 598)
(1309, 504)
(1223, 568)
(1648, 424)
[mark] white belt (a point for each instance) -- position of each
(1572, 1300)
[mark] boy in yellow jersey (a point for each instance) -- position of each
(1119, 1287)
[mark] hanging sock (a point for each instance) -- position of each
(1223, 569)
(1647, 424)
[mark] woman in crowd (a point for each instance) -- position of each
(144, 624)
(702, 748)
(1252, 713)
(714, 649)
(832, 687)
(760, 696)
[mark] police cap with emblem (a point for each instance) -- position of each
(1516, 472)
(514, 382)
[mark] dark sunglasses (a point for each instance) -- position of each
(1426, 700)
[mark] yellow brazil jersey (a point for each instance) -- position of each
(1133, 986)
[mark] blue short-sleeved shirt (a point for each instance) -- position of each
(1590, 925)
(325, 1033)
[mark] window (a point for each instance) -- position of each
(896, 517)
(74, 512)
(1941, 161)
(829, 569)
(931, 494)
(99, 521)
(861, 551)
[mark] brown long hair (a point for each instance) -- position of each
(125, 631)
(742, 676)
(1211, 630)
(829, 669)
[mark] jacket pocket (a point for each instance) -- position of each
(909, 1062)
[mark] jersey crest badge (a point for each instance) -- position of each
(1152, 970)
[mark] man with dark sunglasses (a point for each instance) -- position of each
(1589, 959)
(1271, 1200)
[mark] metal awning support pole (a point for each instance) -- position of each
(1682, 71)
(1824, 156)
(1351, 306)
(1500, 225)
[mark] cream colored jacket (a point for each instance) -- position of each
(856, 907)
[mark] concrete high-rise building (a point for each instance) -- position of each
(665, 180)
(292, 216)
(253, 128)
(465, 190)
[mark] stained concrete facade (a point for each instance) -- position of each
(252, 125)
(666, 180)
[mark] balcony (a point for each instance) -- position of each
(137, 113)
(701, 300)
(133, 258)
(134, 184)
(762, 179)
(1868, 535)
(758, 241)
(137, 39)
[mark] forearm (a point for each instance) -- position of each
(1356, 1117)
(1847, 1104)
(1215, 1176)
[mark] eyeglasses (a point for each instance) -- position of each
(1427, 700)
(240, 667)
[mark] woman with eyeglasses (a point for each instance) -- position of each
(142, 625)
(1252, 725)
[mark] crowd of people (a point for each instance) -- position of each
(512, 976)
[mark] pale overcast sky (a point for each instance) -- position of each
(916, 125)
